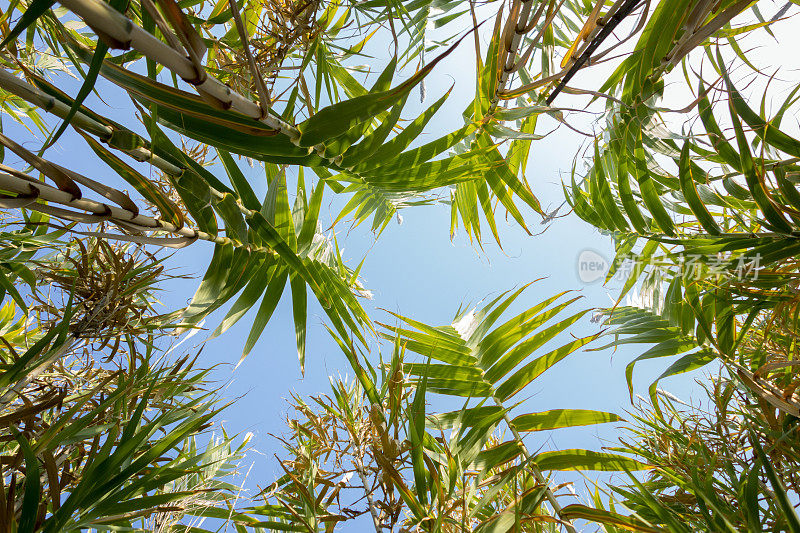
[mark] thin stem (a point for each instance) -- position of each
(359, 464)
(173, 41)
(263, 94)
(510, 43)
(536, 472)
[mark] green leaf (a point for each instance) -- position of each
(535, 368)
(88, 85)
(254, 289)
(779, 491)
(299, 313)
(7, 286)
(32, 494)
(768, 133)
(757, 188)
(387, 155)
(239, 182)
(416, 425)
(593, 514)
(34, 10)
(650, 194)
(562, 418)
(718, 141)
(166, 207)
(602, 198)
(628, 200)
(690, 193)
(577, 459)
(272, 295)
(686, 363)
(507, 358)
(341, 143)
(373, 141)
(335, 120)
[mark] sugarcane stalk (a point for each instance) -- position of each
(512, 35)
(115, 25)
(80, 120)
(93, 211)
(39, 98)
(591, 42)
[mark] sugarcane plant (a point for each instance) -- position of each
(372, 450)
(100, 428)
(703, 210)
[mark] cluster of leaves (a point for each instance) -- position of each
(372, 449)
(709, 218)
(747, 456)
(99, 429)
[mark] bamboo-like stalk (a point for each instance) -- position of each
(694, 32)
(517, 22)
(80, 120)
(94, 211)
(513, 67)
(34, 96)
(112, 23)
(570, 68)
(125, 214)
(161, 24)
(524, 23)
